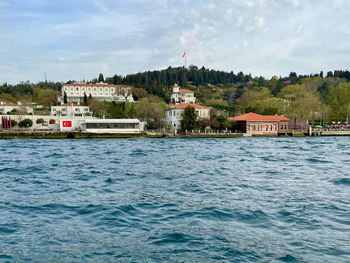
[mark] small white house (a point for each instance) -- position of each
(182, 95)
(70, 110)
(6, 107)
(174, 113)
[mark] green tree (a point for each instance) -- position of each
(259, 100)
(189, 119)
(338, 100)
(13, 123)
(151, 110)
(25, 123)
(101, 78)
(223, 122)
(85, 98)
(65, 98)
(7, 98)
(47, 97)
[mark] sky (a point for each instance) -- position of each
(78, 39)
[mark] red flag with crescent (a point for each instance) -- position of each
(184, 54)
(67, 123)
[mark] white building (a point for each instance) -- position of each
(174, 113)
(102, 91)
(182, 95)
(113, 126)
(181, 99)
(6, 107)
(70, 110)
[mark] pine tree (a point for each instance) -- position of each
(65, 97)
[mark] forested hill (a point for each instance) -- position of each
(159, 82)
(320, 95)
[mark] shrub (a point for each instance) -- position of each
(25, 123)
(52, 121)
(13, 123)
(41, 120)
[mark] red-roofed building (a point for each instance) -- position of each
(182, 95)
(253, 123)
(6, 107)
(181, 99)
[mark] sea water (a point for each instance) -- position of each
(175, 200)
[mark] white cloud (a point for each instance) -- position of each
(119, 37)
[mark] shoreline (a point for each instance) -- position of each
(81, 135)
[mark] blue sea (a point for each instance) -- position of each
(175, 200)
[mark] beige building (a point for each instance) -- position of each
(6, 107)
(102, 91)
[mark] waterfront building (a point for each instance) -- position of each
(180, 99)
(6, 107)
(70, 110)
(253, 123)
(174, 113)
(182, 95)
(75, 92)
(113, 126)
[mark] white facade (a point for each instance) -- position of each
(113, 126)
(6, 107)
(102, 91)
(70, 110)
(182, 95)
(175, 112)
(180, 99)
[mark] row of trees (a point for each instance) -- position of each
(314, 96)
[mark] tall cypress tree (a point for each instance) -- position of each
(101, 78)
(189, 119)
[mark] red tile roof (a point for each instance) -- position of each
(96, 85)
(185, 105)
(10, 104)
(70, 104)
(185, 91)
(257, 117)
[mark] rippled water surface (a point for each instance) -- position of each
(175, 200)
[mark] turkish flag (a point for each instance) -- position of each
(67, 123)
(184, 54)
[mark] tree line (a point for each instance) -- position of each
(319, 96)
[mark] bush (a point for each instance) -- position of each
(13, 123)
(52, 121)
(41, 120)
(25, 123)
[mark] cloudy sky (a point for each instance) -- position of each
(78, 39)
